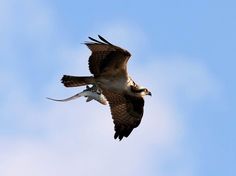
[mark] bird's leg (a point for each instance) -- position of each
(94, 88)
(87, 87)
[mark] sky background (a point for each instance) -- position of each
(183, 51)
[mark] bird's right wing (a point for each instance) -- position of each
(127, 112)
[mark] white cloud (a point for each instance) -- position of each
(76, 138)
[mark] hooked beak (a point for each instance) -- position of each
(149, 93)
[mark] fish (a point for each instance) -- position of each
(91, 93)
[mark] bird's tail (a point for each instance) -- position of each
(75, 81)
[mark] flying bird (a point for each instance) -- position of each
(108, 66)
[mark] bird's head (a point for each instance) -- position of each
(145, 91)
(140, 91)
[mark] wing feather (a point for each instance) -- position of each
(106, 57)
(127, 112)
(95, 40)
(104, 40)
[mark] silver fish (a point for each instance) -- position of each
(92, 93)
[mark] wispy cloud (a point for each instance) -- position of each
(76, 138)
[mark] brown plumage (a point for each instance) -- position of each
(127, 112)
(108, 64)
(75, 81)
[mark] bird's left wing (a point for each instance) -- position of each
(127, 112)
(106, 58)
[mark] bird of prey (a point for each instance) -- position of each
(108, 66)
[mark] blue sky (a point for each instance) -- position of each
(183, 51)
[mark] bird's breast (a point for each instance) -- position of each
(116, 84)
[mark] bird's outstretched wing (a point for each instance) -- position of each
(106, 58)
(127, 112)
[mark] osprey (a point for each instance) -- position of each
(108, 65)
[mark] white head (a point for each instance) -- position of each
(145, 91)
(140, 91)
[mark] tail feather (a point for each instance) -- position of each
(75, 81)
